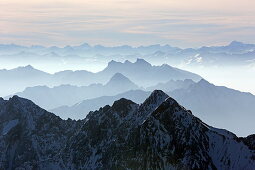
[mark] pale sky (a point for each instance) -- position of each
(184, 23)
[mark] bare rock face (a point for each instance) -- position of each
(158, 134)
(30, 136)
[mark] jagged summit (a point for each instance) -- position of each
(113, 63)
(152, 102)
(138, 62)
(158, 93)
(122, 101)
(27, 106)
(127, 62)
(162, 100)
(157, 96)
(15, 99)
(170, 104)
(202, 84)
(122, 105)
(142, 62)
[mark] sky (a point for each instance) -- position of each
(183, 23)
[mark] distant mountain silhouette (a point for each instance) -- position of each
(70, 57)
(50, 98)
(119, 82)
(219, 106)
(19, 78)
(81, 109)
(216, 105)
(144, 74)
(141, 73)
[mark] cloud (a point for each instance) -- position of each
(182, 22)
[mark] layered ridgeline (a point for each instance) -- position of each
(145, 74)
(140, 72)
(234, 53)
(216, 105)
(157, 134)
(81, 109)
(49, 98)
(219, 106)
(68, 95)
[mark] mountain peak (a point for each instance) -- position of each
(165, 132)
(113, 63)
(236, 43)
(122, 105)
(24, 106)
(119, 77)
(19, 100)
(27, 67)
(127, 62)
(156, 98)
(204, 84)
(170, 103)
(140, 61)
(118, 80)
(158, 93)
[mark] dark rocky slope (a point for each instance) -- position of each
(158, 134)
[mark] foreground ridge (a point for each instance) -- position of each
(158, 134)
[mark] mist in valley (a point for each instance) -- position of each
(73, 80)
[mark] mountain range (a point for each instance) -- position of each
(216, 105)
(50, 98)
(157, 134)
(70, 57)
(233, 47)
(219, 106)
(144, 74)
(140, 72)
(81, 109)
(67, 95)
(119, 114)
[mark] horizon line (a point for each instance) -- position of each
(123, 45)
